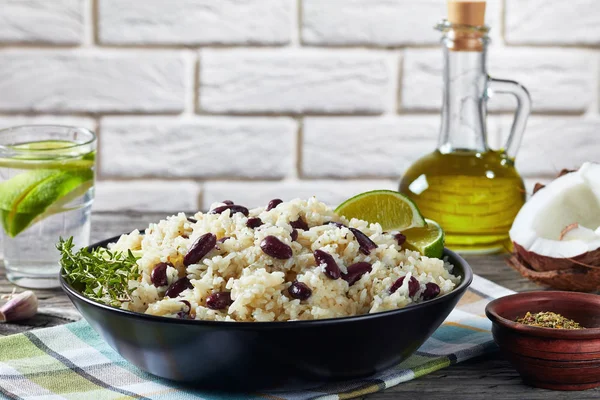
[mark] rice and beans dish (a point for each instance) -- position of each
(286, 261)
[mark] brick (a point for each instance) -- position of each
(81, 122)
(91, 81)
(203, 147)
(552, 22)
(553, 143)
(378, 22)
(150, 195)
(257, 194)
(294, 81)
(557, 79)
(340, 148)
(196, 22)
(41, 21)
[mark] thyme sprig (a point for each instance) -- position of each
(100, 274)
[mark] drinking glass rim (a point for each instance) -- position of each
(11, 148)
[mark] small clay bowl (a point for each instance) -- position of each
(558, 359)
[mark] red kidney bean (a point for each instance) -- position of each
(158, 276)
(200, 248)
(192, 220)
(299, 290)
(228, 202)
(365, 244)
(275, 248)
(413, 285)
(234, 209)
(299, 224)
(356, 271)
(400, 238)
(219, 300)
(294, 235)
(431, 291)
(332, 270)
(178, 286)
(254, 222)
(273, 203)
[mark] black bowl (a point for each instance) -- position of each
(262, 355)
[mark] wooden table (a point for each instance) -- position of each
(488, 377)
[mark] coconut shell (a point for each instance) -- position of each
(537, 187)
(565, 171)
(577, 278)
(542, 263)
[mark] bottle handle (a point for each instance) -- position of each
(521, 113)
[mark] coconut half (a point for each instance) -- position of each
(559, 227)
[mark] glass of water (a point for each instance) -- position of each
(46, 192)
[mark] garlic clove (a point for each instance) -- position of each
(21, 306)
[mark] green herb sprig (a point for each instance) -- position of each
(100, 274)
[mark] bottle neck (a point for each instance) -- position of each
(464, 110)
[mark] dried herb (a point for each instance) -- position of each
(100, 274)
(548, 320)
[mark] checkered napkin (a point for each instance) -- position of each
(72, 362)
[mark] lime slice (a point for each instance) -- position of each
(392, 210)
(28, 195)
(428, 240)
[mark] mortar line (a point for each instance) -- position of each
(297, 27)
(399, 76)
(191, 84)
(297, 171)
(89, 23)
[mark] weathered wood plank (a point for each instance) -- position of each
(484, 378)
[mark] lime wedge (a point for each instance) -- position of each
(392, 210)
(28, 195)
(428, 240)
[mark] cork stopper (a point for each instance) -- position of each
(463, 14)
(466, 12)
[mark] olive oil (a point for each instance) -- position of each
(474, 196)
(472, 191)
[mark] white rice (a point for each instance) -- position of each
(259, 283)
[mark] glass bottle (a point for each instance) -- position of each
(474, 192)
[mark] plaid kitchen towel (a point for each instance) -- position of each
(72, 362)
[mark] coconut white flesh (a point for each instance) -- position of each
(572, 198)
(580, 233)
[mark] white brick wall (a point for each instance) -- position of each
(296, 81)
(193, 22)
(204, 147)
(553, 22)
(353, 147)
(92, 81)
(378, 23)
(140, 196)
(554, 143)
(558, 79)
(17, 120)
(42, 21)
(196, 101)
